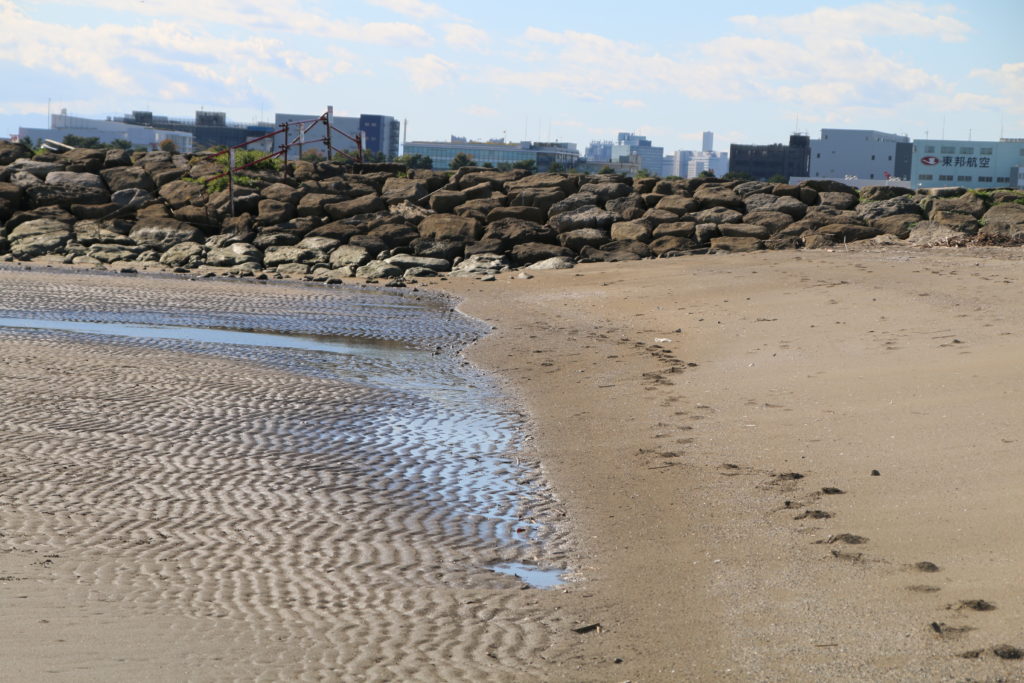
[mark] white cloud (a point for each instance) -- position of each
(896, 18)
(427, 72)
(466, 37)
(631, 104)
(1009, 79)
(412, 8)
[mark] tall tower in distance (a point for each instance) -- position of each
(708, 142)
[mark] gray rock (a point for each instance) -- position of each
(128, 178)
(481, 264)
(705, 232)
(577, 239)
(716, 195)
(37, 237)
(377, 270)
(40, 169)
(542, 199)
(666, 244)
(349, 255)
(234, 254)
(133, 198)
(736, 244)
(773, 220)
(445, 201)
(65, 195)
(898, 225)
(553, 263)
(368, 203)
(753, 230)
(275, 256)
(556, 181)
(846, 232)
(718, 215)
(606, 191)
(297, 270)
(872, 211)
(407, 261)
(112, 253)
(583, 217)
(680, 229)
(272, 212)
(109, 231)
(678, 204)
(178, 193)
(874, 193)
(929, 234)
(843, 201)
(398, 190)
(572, 202)
(531, 252)
(71, 178)
(183, 255)
(24, 179)
(753, 187)
(324, 244)
(163, 233)
(527, 213)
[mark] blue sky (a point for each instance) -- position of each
(752, 72)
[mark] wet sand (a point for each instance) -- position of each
(688, 415)
(766, 456)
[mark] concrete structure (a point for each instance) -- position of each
(762, 162)
(968, 163)
(637, 149)
(707, 143)
(546, 155)
(871, 154)
(149, 137)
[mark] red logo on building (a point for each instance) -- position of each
(930, 161)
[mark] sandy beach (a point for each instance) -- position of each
(773, 466)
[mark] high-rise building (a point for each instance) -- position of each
(598, 151)
(631, 147)
(707, 143)
(762, 162)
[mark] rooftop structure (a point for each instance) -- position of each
(546, 155)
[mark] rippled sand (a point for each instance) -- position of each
(175, 509)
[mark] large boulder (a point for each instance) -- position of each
(838, 200)
(712, 195)
(282, 192)
(754, 187)
(313, 205)
(40, 169)
(84, 160)
(571, 202)
(163, 233)
(511, 231)
(678, 204)
(234, 254)
(183, 255)
(178, 193)
(770, 202)
(969, 203)
(632, 231)
(547, 181)
(577, 239)
(758, 232)
(526, 213)
(583, 217)
(847, 232)
(65, 195)
(823, 185)
(449, 227)
(407, 261)
(445, 201)
(127, 178)
(398, 190)
(773, 220)
(606, 191)
(898, 225)
(273, 211)
(541, 198)
(1003, 224)
(678, 229)
(627, 208)
(378, 270)
(12, 151)
(667, 244)
(275, 256)
(903, 204)
(73, 178)
(874, 193)
(37, 237)
(106, 252)
(718, 214)
(736, 244)
(395, 234)
(89, 232)
(532, 252)
(349, 255)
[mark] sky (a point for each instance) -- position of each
(751, 72)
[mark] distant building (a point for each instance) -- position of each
(762, 162)
(208, 128)
(598, 151)
(868, 154)
(380, 134)
(150, 137)
(633, 148)
(690, 163)
(546, 155)
(967, 163)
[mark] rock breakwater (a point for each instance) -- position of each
(323, 221)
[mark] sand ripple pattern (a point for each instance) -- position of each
(300, 506)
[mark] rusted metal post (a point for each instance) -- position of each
(327, 127)
(231, 179)
(284, 148)
(359, 146)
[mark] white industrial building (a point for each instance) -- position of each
(637, 149)
(968, 163)
(690, 163)
(63, 124)
(864, 154)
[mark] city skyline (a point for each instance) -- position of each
(927, 70)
